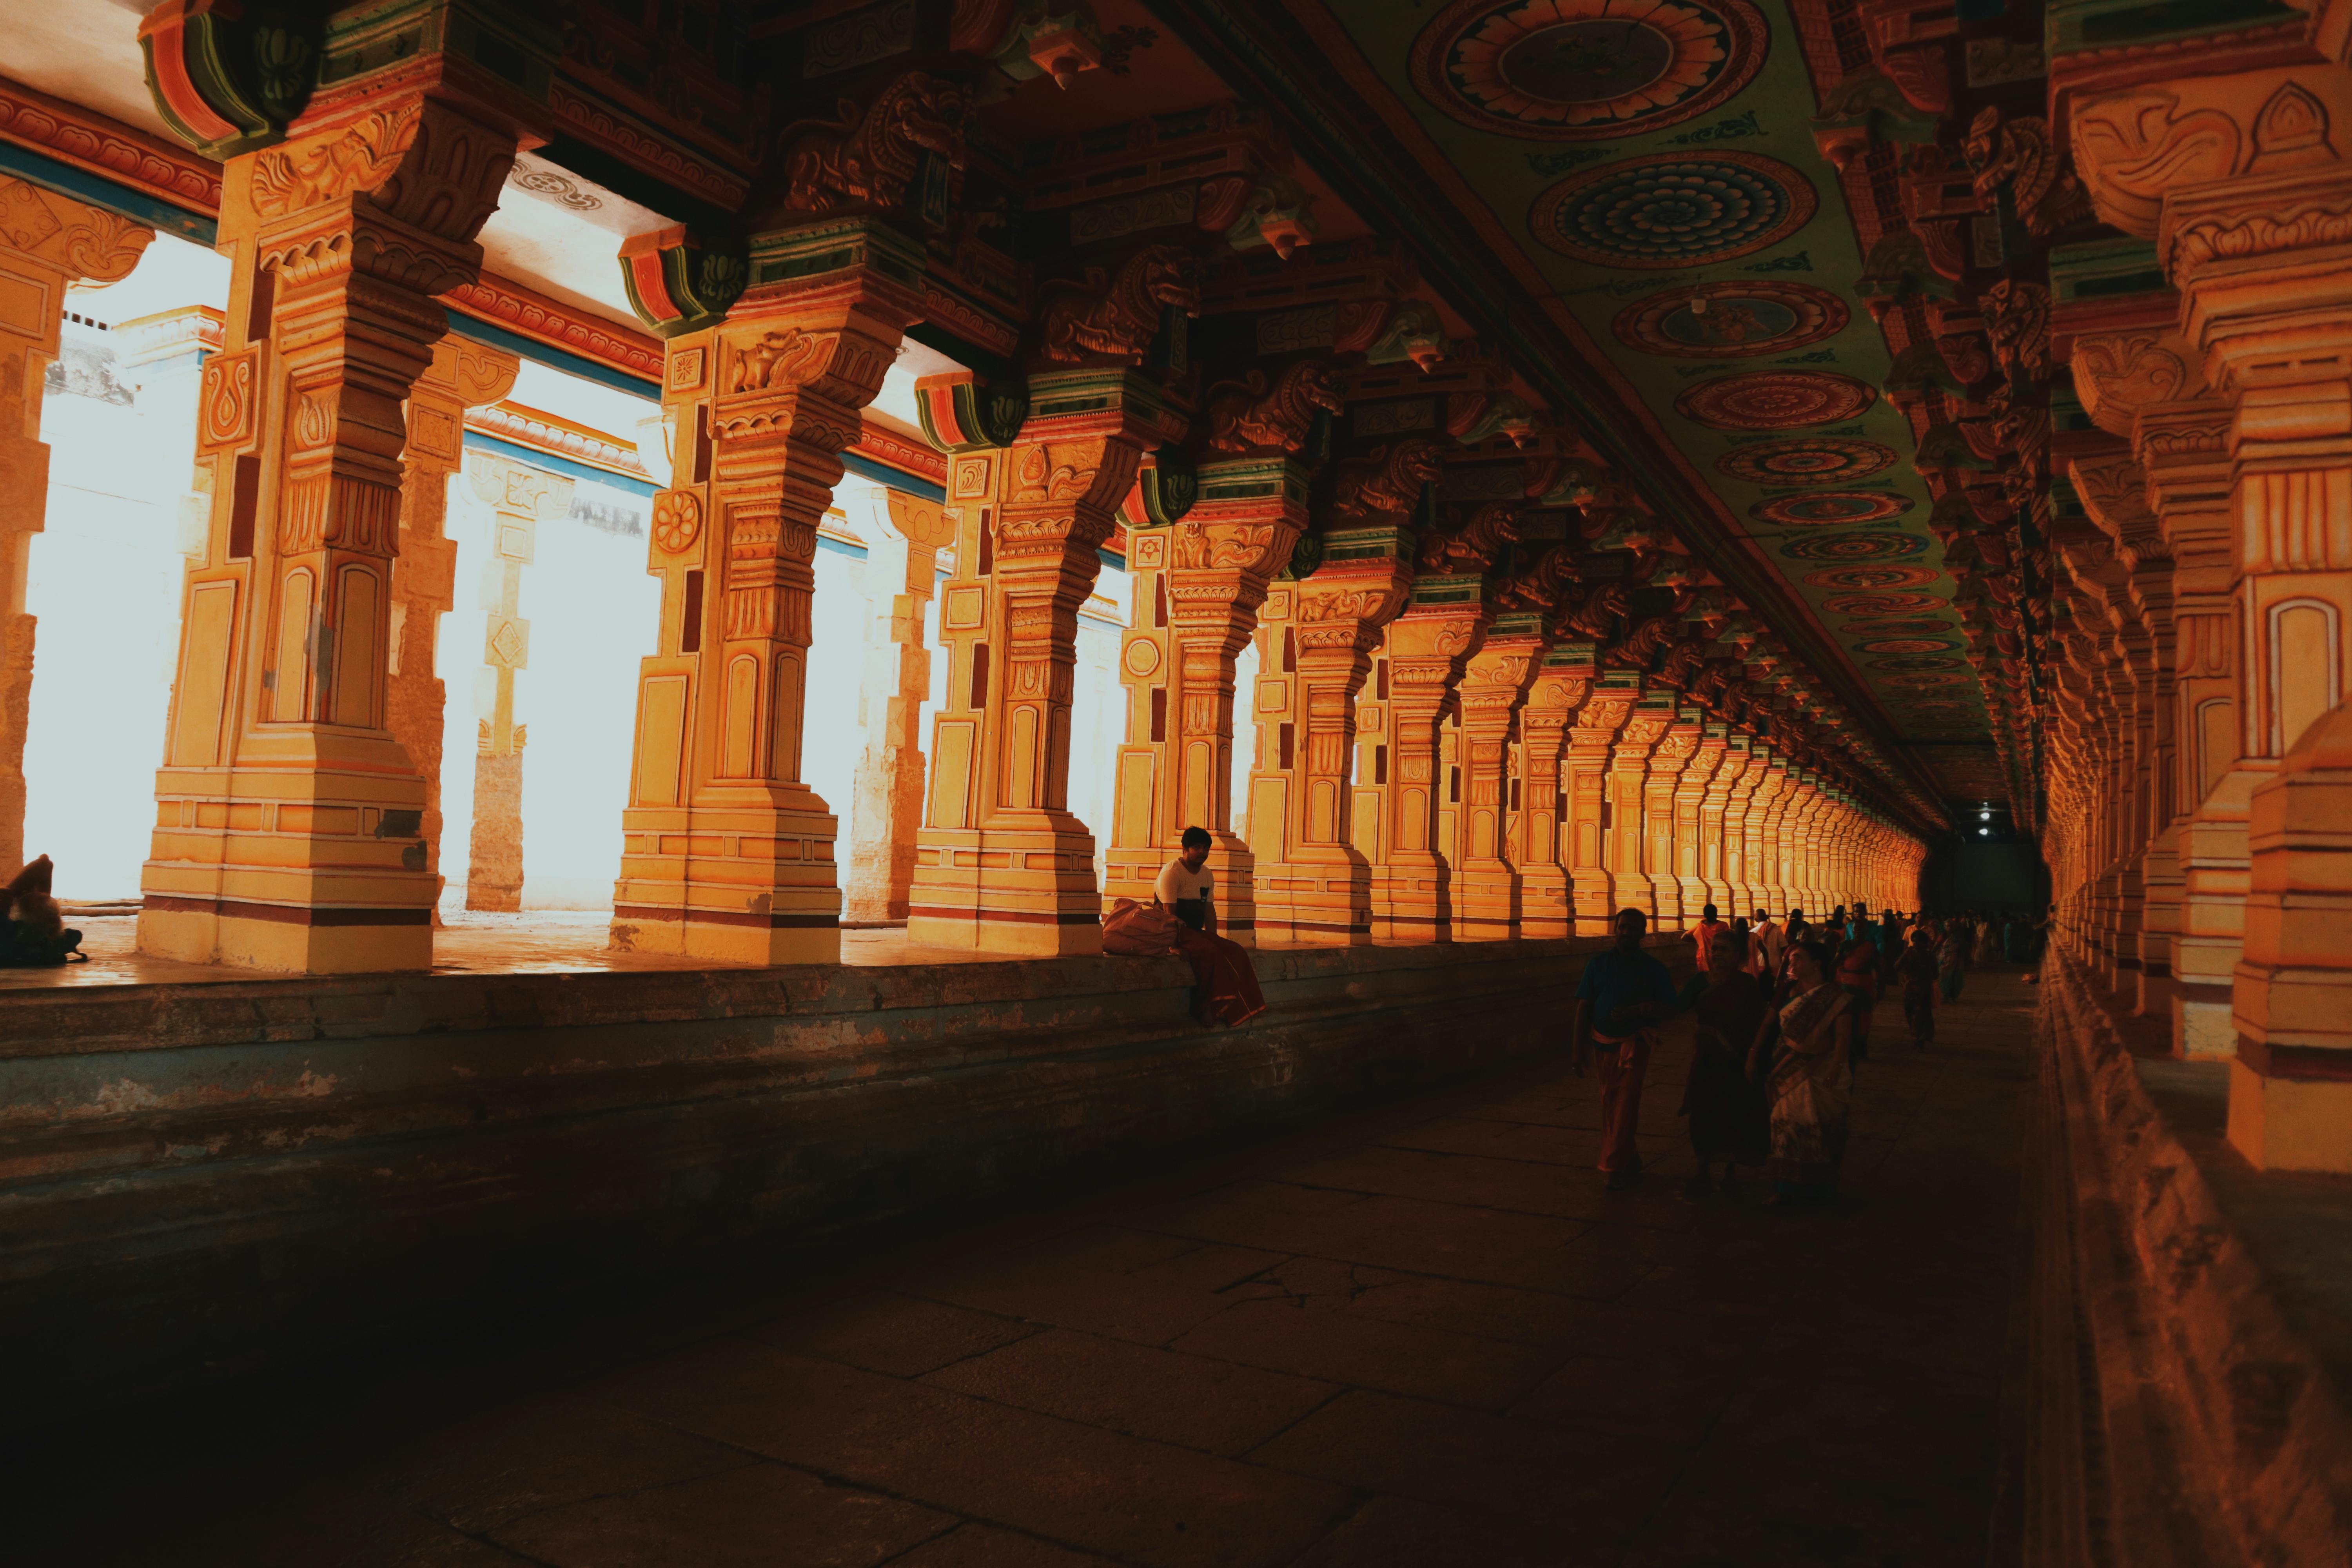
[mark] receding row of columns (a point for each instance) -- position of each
(2197, 739)
(1430, 767)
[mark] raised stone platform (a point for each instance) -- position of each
(205, 1172)
(2191, 1317)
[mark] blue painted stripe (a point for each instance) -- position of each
(476, 441)
(897, 479)
(100, 192)
(840, 546)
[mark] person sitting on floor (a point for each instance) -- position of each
(1225, 990)
(34, 934)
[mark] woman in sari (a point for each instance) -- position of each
(1225, 990)
(1952, 958)
(1728, 1117)
(1810, 1082)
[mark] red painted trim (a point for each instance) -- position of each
(1007, 917)
(288, 914)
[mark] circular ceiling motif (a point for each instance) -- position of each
(1886, 544)
(1807, 460)
(1730, 321)
(1580, 70)
(1951, 679)
(1906, 644)
(1881, 604)
(1871, 577)
(1897, 626)
(1775, 400)
(1915, 662)
(1671, 209)
(1828, 508)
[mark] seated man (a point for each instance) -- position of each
(34, 933)
(1226, 986)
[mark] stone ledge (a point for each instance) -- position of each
(2192, 1316)
(220, 1173)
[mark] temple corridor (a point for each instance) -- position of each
(1415, 1334)
(834, 782)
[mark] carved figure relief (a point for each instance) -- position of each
(1386, 482)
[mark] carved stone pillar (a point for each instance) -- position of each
(520, 498)
(1769, 856)
(464, 374)
(1759, 849)
(1630, 830)
(901, 575)
(1588, 771)
(1541, 851)
(1426, 649)
(1198, 587)
(1486, 884)
(1314, 644)
(290, 820)
(1698, 833)
(47, 242)
(1721, 844)
(1662, 784)
(1002, 865)
(727, 854)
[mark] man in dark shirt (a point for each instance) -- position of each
(1624, 991)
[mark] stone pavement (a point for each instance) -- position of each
(1421, 1334)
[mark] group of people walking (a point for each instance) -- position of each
(1781, 1015)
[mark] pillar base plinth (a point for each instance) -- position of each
(1323, 899)
(2291, 1124)
(2158, 995)
(2203, 1028)
(1667, 904)
(1545, 907)
(1020, 885)
(1412, 901)
(289, 941)
(1486, 896)
(724, 936)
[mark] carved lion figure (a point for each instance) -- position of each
(1116, 320)
(1245, 416)
(1473, 549)
(1596, 615)
(1387, 481)
(869, 160)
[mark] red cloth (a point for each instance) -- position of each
(1621, 1072)
(1222, 970)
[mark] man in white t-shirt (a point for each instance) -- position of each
(1187, 888)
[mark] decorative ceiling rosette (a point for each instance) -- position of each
(1886, 544)
(1807, 460)
(1581, 70)
(1775, 400)
(1904, 645)
(1915, 662)
(1950, 677)
(1830, 509)
(1674, 209)
(1875, 577)
(1732, 320)
(1900, 626)
(1883, 603)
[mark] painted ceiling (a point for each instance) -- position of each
(1652, 164)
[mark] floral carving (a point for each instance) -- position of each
(677, 521)
(2138, 145)
(294, 180)
(2115, 375)
(2017, 319)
